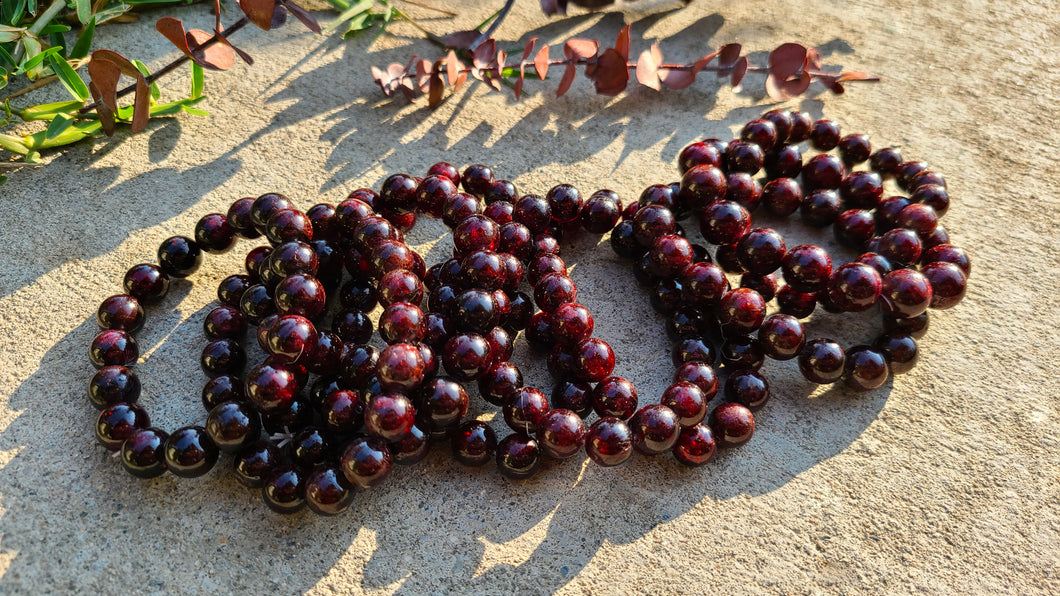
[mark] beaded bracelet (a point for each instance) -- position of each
(386, 407)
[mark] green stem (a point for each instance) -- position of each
(42, 21)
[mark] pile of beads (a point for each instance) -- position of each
(326, 411)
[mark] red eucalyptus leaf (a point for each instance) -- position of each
(423, 74)
(568, 78)
(728, 54)
(461, 40)
(739, 70)
(787, 61)
(105, 75)
(622, 44)
(676, 79)
(260, 12)
(813, 59)
(702, 63)
(552, 7)
(484, 54)
(219, 56)
(436, 86)
(648, 67)
(833, 85)
(799, 85)
(581, 48)
(382, 79)
(142, 99)
(302, 15)
(611, 75)
(529, 49)
(460, 80)
(452, 67)
(243, 55)
(855, 76)
(106, 116)
(541, 61)
(519, 83)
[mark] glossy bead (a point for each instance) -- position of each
(698, 154)
(906, 293)
(821, 361)
(732, 424)
(327, 492)
(748, 388)
(254, 462)
(146, 282)
(239, 220)
(743, 189)
(861, 190)
(443, 403)
(702, 185)
(501, 344)
(820, 208)
(366, 461)
(744, 157)
(885, 161)
(400, 368)
(565, 202)
(143, 453)
(785, 162)
(801, 126)
(855, 287)
(284, 489)
(822, 172)
(467, 356)
(264, 207)
(741, 351)
(899, 349)
(854, 227)
(232, 426)
(688, 349)
(561, 433)
(781, 336)
(444, 168)
(695, 445)
(222, 357)
(670, 255)
(782, 196)
(651, 222)
(474, 443)
(112, 384)
(609, 442)
(761, 132)
(500, 211)
(534, 212)
(225, 322)
(476, 179)
(934, 196)
(270, 388)
(824, 135)
(190, 452)
(601, 213)
(854, 149)
(594, 360)
(865, 368)
(342, 411)
(948, 283)
(797, 304)
(807, 268)
(724, 222)
(475, 310)
(402, 322)
(687, 401)
(120, 312)
(113, 347)
(256, 303)
(293, 337)
(741, 310)
(413, 448)
(703, 285)
(553, 290)
(400, 285)
(761, 251)
(288, 225)
(459, 207)
(518, 456)
(526, 409)
(624, 243)
(118, 422)
(654, 429)
(389, 417)
(701, 375)
(947, 253)
(877, 262)
(220, 389)
(179, 256)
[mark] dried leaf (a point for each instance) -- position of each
(833, 85)
(105, 75)
(813, 59)
(581, 48)
(541, 62)
(106, 115)
(622, 43)
(260, 12)
(109, 61)
(460, 80)
(611, 75)
(739, 70)
(436, 86)
(787, 60)
(302, 15)
(461, 40)
(568, 78)
(423, 74)
(519, 83)
(452, 67)
(855, 76)
(798, 85)
(484, 54)
(529, 49)
(676, 79)
(216, 57)
(648, 68)
(243, 55)
(728, 54)
(702, 63)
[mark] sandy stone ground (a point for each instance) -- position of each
(944, 481)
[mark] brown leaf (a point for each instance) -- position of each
(484, 54)
(648, 68)
(856, 76)
(568, 78)
(105, 75)
(258, 11)
(551, 7)
(787, 60)
(702, 63)
(218, 56)
(461, 40)
(302, 15)
(437, 86)
(529, 49)
(452, 67)
(728, 54)
(813, 59)
(519, 83)
(423, 74)
(622, 44)
(382, 79)
(676, 79)
(798, 85)
(581, 48)
(460, 80)
(541, 62)
(739, 70)
(142, 99)
(611, 75)
(106, 116)
(245, 56)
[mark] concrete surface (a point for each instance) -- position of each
(942, 482)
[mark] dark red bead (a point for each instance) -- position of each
(484, 269)
(947, 253)
(822, 172)
(698, 154)
(501, 212)
(518, 456)
(854, 228)
(948, 283)
(400, 368)
(687, 401)
(432, 193)
(213, 233)
(654, 429)
(288, 225)
(476, 179)
(861, 190)
(761, 132)
(300, 294)
(900, 246)
(821, 361)
(366, 462)
(651, 222)
(797, 304)
(553, 290)
(887, 213)
(855, 287)
(743, 189)
(397, 194)
(594, 360)
(143, 453)
(934, 196)
(899, 349)
(113, 347)
(342, 411)
(820, 208)
(702, 185)
(761, 251)
(781, 336)
(561, 433)
(807, 268)
(352, 326)
(232, 426)
(239, 218)
(854, 149)
(565, 202)
(801, 126)
(670, 255)
(179, 256)
(703, 285)
(782, 196)
(389, 416)
(741, 310)
(474, 443)
(785, 162)
(264, 207)
(885, 161)
(918, 217)
(255, 462)
(231, 289)
(271, 388)
(400, 285)
(113, 384)
(120, 312)
(695, 445)
(609, 442)
(744, 157)
(118, 422)
(444, 168)
(905, 172)
(443, 402)
(724, 222)
(327, 492)
(222, 357)
(467, 356)
(742, 351)
(732, 424)
(220, 389)
(926, 178)
(865, 368)
(190, 453)
(824, 135)
(748, 388)
(459, 207)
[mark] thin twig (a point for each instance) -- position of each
(236, 26)
(32, 87)
(488, 33)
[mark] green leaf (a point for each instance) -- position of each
(3, 77)
(48, 111)
(11, 11)
(56, 41)
(9, 34)
(13, 144)
(114, 11)
(54, 28)
(32, 4)
(155, 93)
(58, 126)
(7, 58)
(3, 179)
(197, 81)
(357, 9)
(359, 23)
(69, 77)
(84, 10)
(84, 41)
